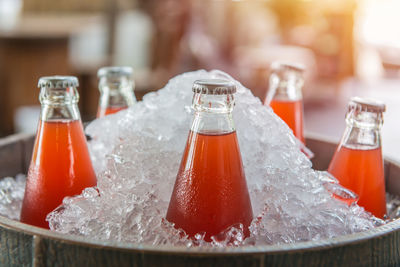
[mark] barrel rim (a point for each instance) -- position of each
(323, 244)
(249, 250)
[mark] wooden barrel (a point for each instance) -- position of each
(24, 245)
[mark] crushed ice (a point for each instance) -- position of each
(11, 196)
(136, 155)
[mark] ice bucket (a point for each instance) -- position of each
(24, 245)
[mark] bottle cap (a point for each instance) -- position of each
(280, 65)
(58, 81)
(367, 104)
(114, 71)
(214, 87)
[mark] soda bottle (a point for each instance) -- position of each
(285, 97)
(116, 90)
(210, 192)
(357, 162)
(60, 164)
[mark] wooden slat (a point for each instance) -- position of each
(381, 251)
(55, 253)
(15, 248)
(250, 260)
(11, 154)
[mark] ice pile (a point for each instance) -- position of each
(11, 196)
(136, 155)
(137, 152)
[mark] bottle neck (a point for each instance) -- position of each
(363, 130)
(59, 104)
(116, 92)
(213, 114)
(285, 87)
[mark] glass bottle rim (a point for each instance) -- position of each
(113, 71)
(286, 65)
(58, 81)
(214, 87)
(367, 104)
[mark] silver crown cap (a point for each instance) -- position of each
(214, 87)
(58, 81)
(367, 104)
(114, 71)
(281, 65)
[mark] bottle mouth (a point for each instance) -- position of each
(365, 113)
(58, 90)
(367, 104)
(285, 82)
(58, 82)
(114, 71)
(283, 65)
(116, 84)
(214, 87)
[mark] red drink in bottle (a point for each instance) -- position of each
(285, 96)
(60, 164)
(290, 112)
(210, 192)
(116, 90)
(109, 110)
(357, 162)
(362, 172)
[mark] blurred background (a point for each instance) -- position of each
(349, 47)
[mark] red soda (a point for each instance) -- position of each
(290, 112)
(285, 95)
(357, 162)
(210, 192)
(60, 164)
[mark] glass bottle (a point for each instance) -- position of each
(357, 162)
(285, 96)
(210, 192)
(116, 90)
(60, 164)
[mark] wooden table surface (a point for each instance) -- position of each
(328, 119)
(49, 26)
(37, 46)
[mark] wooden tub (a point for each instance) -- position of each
(24, 245)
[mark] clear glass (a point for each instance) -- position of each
(60, 164)
(59, 104)
(358, 162)
(210, 192)
(116, 93)
(213, 113)
(363, 130)
(285, 97)
(285, 85)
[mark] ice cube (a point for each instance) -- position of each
(11, 196)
